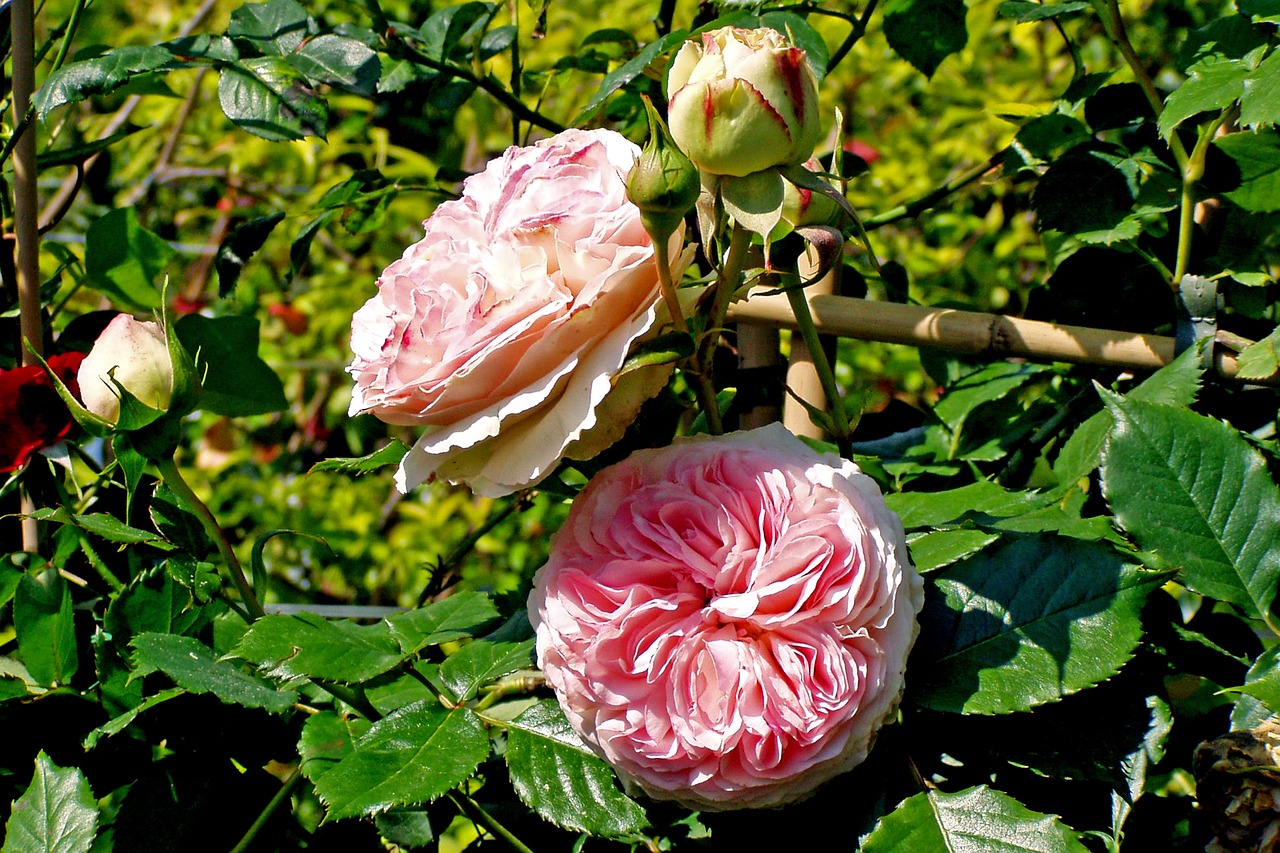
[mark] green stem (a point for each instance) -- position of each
(1192, 172)
(920, 205)
(352, 696)
(1113, 23)
(855, 35)
(173, 479)
(376, 15)
(511, 102)
(827, 376)
(726, 285)
(662, 257)
(280, 796)
(476, 812)
(73, 22)
(509, 686)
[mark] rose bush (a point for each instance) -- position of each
(742, 101)
(133, 353)
(502, 330)
(727, 620)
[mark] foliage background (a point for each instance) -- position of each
(983, 461)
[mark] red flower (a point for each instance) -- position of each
(32, 415)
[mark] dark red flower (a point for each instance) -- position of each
(32, 415)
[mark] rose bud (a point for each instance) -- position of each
(130, 354)
(743, 101)
(663, 183)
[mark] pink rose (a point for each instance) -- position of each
(130, 354)
(727, 620)
(502, 330)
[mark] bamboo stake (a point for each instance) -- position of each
(802, 376)
(974, 332)
(26, 206)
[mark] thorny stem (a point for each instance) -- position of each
(353, 697)
(509, 686)
(520, 501)
(173, 479)
(476, 812)
(280, 796)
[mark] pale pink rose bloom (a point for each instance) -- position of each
(502, 330)
(727, 620)
(129, 353)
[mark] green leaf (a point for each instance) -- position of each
(338, 61)
(122, 259)
(925, 32)
(176, 524)
(1262, 682)
(939, 548)
(663, 349)
(11, 573)
(934, 509)
(1087, 194)
(277, 26)
(480, 662)
(1260, 103)
(76, 81)
(448, 28)
(1260, 10)
(101, 524)
(270, 98)
(1029, 623)
(991, 383)
(44, 623)
(310, 646)
(407, 828)
(1025, 12)
(442, 621)
(327, 738)
(192, 665)
(411, 756)
(975, 820)
(300, 249)
(554, 774)
(1214, 83)
(628, 71)
(1175, 384)
(56, 814)
(1191, 489)
(1257, 156)
(389, 454)
(239, 246)
(235, 382)
(120, 723)
(1261, 359)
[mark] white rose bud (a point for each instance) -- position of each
(743, 101)
(136, 355)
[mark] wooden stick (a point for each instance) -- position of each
(26, 207)
(802, 376)
(975, 332)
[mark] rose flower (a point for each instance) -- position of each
(726, 621)
(501, 331)
(32, 416)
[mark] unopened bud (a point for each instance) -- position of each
(664, 184)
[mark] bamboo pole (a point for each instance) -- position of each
(974, 332)
(26, 207)
(802, 376)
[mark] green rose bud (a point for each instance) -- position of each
(743, 101)
(663, 183)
